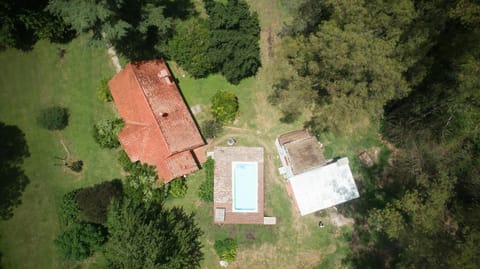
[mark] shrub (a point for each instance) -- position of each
(80, 241)
(178, 187)
(69, 210)
(205, 192)
(224, 106)
(94, 201)
(103, 91)
(142, 184)
(125, 162)
(105, 132)
(76, 166)
(226, 249)
(53, 118)
(210, 128)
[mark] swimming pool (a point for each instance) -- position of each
(245, 186)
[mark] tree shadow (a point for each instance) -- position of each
(13, 150)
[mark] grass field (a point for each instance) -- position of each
(28, 82)
(40, 78)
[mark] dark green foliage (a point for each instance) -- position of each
(205, 192)
(79, 241)
(53, 118)
(226, 249)
(143, 184)
(178, 187)
(105, 132)
(189, 47)
(76, 166)
(94, 201)
(224, 106)
(13, 150)
(210, 128)
(125, 162)
(138, 29)
(69, 210)
(144, 235)
(235, 33)
(24, 22)
(103, 91)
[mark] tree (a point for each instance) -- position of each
(142, 184)
(105, 132)
(69, 209)
(137, 29)
(178, 188)
(224, 106)
(13, 150)
(205, 192)
(53, 118)
(79, 241)
(144, 235)
(189, 47)
(94, 201)
(234, 37)
(24, 22)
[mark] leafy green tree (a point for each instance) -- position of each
(178, 187)
(235, 34)
(226, 249)
(205, 192)
(24, 22)
(53, 118)
(79, 241)
(151, 236)
(136, 28)
(105, 132)
(13, 150)
(143, 185)
(190, 45)
(224, 106)
(69, 209)
(93, 202)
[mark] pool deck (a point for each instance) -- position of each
(223, 198)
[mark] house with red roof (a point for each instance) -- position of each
(159, 128)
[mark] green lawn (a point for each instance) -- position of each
(30, 81)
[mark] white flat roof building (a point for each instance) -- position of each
(315, 183)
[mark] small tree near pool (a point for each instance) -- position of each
(224, 106)
(226, 249)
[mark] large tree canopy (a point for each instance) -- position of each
(13, 150)
(150, 236)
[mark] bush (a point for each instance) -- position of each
(53, 118)
(226, 249)
(69, 210)
(103, 91)
(205, 192)
(105, 132)
(76, 166)
(94, 201)
(125, 162)
(80, 241)
(178, 187)
(210, 128)
(143, 185)
(224, 106)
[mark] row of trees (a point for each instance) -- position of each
(410, 69)
(226, 41)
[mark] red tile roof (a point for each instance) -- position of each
(159, 129)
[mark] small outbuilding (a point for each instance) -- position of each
(314, 182)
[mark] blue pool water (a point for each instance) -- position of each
(245, 186)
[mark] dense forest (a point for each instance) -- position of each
(411, 69)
